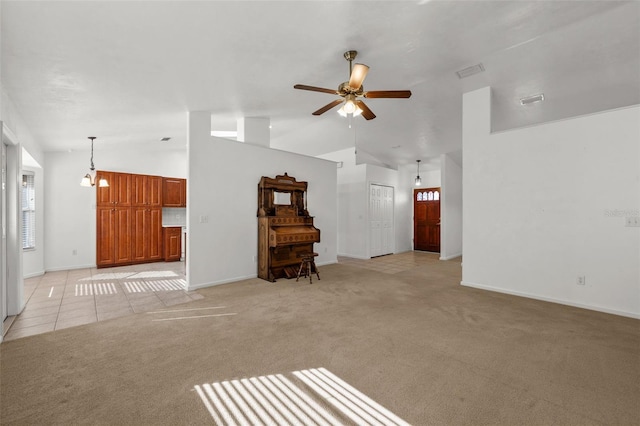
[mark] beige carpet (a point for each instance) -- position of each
(416, 342)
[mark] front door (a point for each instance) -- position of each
(426, 219)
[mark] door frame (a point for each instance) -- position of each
(14, 278)
(413, 204)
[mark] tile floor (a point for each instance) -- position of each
(62, 299)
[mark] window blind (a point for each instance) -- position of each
(28, 211)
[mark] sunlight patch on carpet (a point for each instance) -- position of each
(321, 398)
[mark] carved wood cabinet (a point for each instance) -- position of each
(285, 228)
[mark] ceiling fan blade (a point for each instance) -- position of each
(358, 74)
(327, 107)
(388, 94)
(315, 89)
(366, 112)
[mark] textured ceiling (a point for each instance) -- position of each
(127, 72)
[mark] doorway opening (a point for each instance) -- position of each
(426, 219)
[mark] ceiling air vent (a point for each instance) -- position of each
(474, 69)
(532, 99)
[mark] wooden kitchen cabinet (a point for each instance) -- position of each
(113, 236)
(146, 229)
(174, 192)
(129, 219)
(172, 243)
(118, 193)
(146, 190)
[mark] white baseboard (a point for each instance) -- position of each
(34, 274)
(191, 287)
(552, 300)
(354, 256)
(452, 256)
(69, 268)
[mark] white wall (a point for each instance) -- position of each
(543, 205)
(352, 204)
(70, 220)
(404, 208)
(13, 120)
(451, 209)
(222, 205)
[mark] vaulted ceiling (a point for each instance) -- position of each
(128, 71)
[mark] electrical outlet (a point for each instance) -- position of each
(74, 252)
(581, 280)
(633, 221)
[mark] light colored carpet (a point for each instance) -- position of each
(416, 342)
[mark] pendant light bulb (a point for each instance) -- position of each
(418, 181)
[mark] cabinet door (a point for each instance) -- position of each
(140, 232)
(172, 244)
(123, 235)
(172, 192)
(154, 198)
(139, 190)
(183, 192)
(155, 234)
(104, 195)
(105, 236)
(122, 189)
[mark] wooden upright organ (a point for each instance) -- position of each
(285, 229)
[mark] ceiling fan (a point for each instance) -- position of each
(351, 90)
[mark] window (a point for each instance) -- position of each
(28, 211)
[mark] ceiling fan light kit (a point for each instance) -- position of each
(351, 90)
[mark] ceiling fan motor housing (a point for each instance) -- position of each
(344, 89)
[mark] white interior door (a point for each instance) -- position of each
(381, 230)
(375, 220)
(387, 220)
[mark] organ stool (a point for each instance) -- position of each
(308, 265)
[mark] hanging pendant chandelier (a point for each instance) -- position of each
(418, 181)
(90, 178)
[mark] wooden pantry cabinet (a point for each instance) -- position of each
(128, 219)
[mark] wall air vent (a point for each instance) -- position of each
(165, 139)
(474, 69)
(532, 99)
